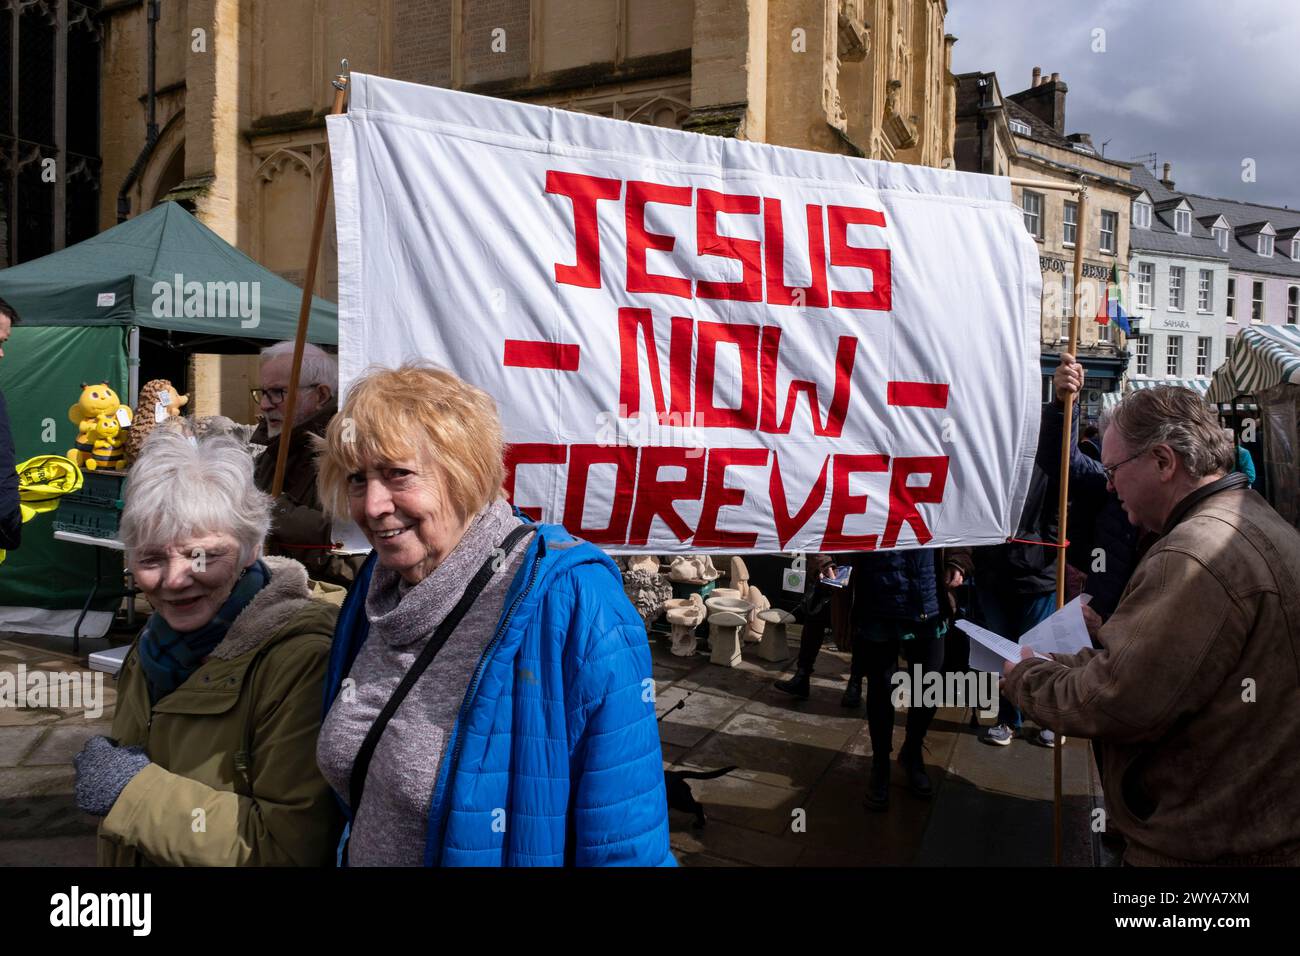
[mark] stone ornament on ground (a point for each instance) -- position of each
(740, 578)
(647, 591)
(773, 646)
(759, 604)
(724, 599)
(685, 615)
(693, 569)
(643, 562)
(724, 638)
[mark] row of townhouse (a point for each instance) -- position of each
(1022, 135)
(1201, 270)
(1194, 270)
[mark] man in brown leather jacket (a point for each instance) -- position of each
(300, 528)
(1195, 690)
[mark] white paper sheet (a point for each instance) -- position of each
(1062, 633)
(988, 650)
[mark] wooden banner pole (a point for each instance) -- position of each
(1062, 512)
(309, 280)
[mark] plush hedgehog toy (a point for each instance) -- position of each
(159, 401)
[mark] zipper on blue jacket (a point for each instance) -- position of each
(443, 815)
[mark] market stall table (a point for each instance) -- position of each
(112, 544)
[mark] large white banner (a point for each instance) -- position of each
(698, 343)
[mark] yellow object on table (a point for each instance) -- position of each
(42, 481)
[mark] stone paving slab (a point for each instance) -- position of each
(700, 708)
(767, 751)
(1024, 769)
(19, 653)
(17, 742)
(817, 711)
(737, 843)
(47, 815)
(29, 716)
(49, 851)
(18, 782)
(736, 681)
(60, 744)
(757, 806)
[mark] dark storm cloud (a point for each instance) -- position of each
(1205, 84)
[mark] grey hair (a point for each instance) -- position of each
(318, 366)
(1180, 418)
(1104, 419)
(181, 486)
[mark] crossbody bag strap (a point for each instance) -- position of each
(361, 766)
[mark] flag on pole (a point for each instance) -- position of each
(1103, 312)
(1118, 313)
(1112, 303)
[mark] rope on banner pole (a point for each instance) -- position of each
(1080, 237)
(340, 84)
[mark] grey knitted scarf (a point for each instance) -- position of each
(401, 614)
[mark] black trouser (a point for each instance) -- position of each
(810, 644)
(881, 659)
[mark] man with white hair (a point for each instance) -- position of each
(1195, 688)
(300, 529)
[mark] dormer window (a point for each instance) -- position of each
(1295, 250)
(1142, 215)
(1265, 247)
(1221, 238)
(1183, 222)
(1019, 127)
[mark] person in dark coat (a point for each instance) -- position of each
(816, 616)
(300, 528)
(1090, 444)
(11, 519)
(901, 606)
(1104, 544)
(1015, 587)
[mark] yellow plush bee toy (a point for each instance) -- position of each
(94, 447)
(106, 452)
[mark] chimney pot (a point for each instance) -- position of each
(1167, 170)
(1055, 77)
(1038, 76)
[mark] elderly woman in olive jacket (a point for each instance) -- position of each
(212, 761)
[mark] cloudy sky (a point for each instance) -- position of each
(1205, 84)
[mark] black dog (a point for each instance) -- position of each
(679, 791)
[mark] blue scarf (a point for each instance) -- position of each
(168, 657)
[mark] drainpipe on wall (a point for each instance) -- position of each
(151, 129)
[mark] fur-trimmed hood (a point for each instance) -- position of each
(284, 596)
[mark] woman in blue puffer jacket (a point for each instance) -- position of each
(489, 700)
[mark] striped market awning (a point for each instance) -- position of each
(1200, 384)
(1259, 358)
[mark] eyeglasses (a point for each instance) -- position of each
(276, 395)
(1110, 470)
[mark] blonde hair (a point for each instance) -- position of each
(415, 411)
